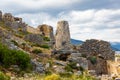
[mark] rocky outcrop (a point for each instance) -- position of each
(62, 37)
(13, 22)
(80, 61)
(46, 31)
(33, 30)
(97, 52)
(8, 17)
(97, 48)
(62, 54)
(35, 38)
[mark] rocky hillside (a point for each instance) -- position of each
(28, 53)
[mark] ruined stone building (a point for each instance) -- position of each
(46, 31)
(98, 52)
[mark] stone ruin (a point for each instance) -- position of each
(13, 22)
(8, 17)
(97, 52)
(62, 36)
(35, 38)
(46, 31)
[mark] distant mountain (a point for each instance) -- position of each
(115, 45)
(76, 42)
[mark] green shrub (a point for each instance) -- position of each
(42, 46)
(65, 74)
(14, 57)
(37, 51)
(68, 68)
(81, 68)
(72, 65)
(4, 77)
(52, 77)
(19, 35)
(93, 60)
(48, 72)
(45, 46)
(46, 39)
(22, 59)
(23, 44)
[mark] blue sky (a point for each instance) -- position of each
(88, 19)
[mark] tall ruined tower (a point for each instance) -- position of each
(62, 37)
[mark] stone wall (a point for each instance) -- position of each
(33, 30)
(34, 38)
(13, 22)
(97, 52)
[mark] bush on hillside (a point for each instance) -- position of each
(37, 51)
(46, 39)
(45, 46)
(93, 60)
(10, 57)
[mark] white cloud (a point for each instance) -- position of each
(20, 6)
(87, 24)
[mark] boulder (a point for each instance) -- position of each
(37, 66)
(60, 63)
(61, 54)
(59, 69)
(83, 62)
(62, 37)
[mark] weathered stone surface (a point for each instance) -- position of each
(8, 17)
(1, 33)
(97, 52)
(0, 15)
(33, 30)
(18, 26)
(46, 31)
(35, 38)
(37, 66)
(76, 57)
(62, 37)
(14, 22)
(61, 54)
(59, 69)
(60, 63)
(97, 48)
